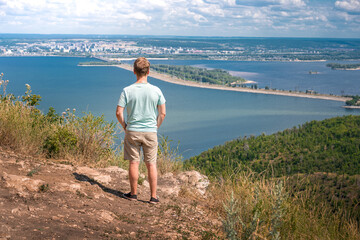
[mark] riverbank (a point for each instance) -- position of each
(352, 107)
(347, 69)
(170, 79)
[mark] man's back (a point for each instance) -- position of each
(146, 111)
(141, 101)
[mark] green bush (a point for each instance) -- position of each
(95, 136)
(88, 139)
(354, 101)
(53, 117)
(62, 141)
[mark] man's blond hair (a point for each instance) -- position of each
(141, 66)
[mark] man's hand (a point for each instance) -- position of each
(120, 116)
(161, 114)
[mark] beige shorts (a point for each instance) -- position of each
(135, 140)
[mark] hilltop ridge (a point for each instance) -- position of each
(42, 199)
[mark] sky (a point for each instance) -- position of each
(244, 18)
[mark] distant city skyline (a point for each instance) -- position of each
(243, 18)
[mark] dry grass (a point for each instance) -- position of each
(169, 159)
(22, 128)
(86, 140)
(94, 145)
(264, 210)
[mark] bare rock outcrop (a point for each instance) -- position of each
(21, 184)
(171, 184)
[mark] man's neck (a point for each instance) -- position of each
(142, 79)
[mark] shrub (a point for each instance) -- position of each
(60, 143)
(53, 117)
(21, 127)
(88, 139)
(44, 187)
(95, 137)
(30, 99)
(232, 218)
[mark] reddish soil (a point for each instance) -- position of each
(42, 199)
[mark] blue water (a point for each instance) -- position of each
(197, 118)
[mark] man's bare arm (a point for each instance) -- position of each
(120, 116)
(161, 114)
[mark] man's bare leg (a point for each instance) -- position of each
(152, 175)
(133, 176)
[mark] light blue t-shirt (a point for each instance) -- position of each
(141, 101)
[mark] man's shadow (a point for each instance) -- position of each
(84, 178)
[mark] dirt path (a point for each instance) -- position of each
(47, 200)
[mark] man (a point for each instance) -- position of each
(146, 111)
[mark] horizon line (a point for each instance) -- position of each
(171, 36)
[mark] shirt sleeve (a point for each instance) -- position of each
(162, 99)
(122, 100)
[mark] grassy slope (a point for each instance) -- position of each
(321, 159)
(331, 145)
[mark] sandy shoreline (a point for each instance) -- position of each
(352, 107)
(167, 78)
(347, 69)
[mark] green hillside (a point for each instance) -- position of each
(320, 159)
(331, 145)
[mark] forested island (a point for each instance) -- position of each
(213, 76)
(338, 66)
(355, 101)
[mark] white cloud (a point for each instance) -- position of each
(199, 18)
(222, 2)
(212, 10)
(349, 18)
(280, 3)
(180, 17)
(296, 3)
(349, 5)
(139, 16)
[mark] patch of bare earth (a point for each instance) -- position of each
(42, 199)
